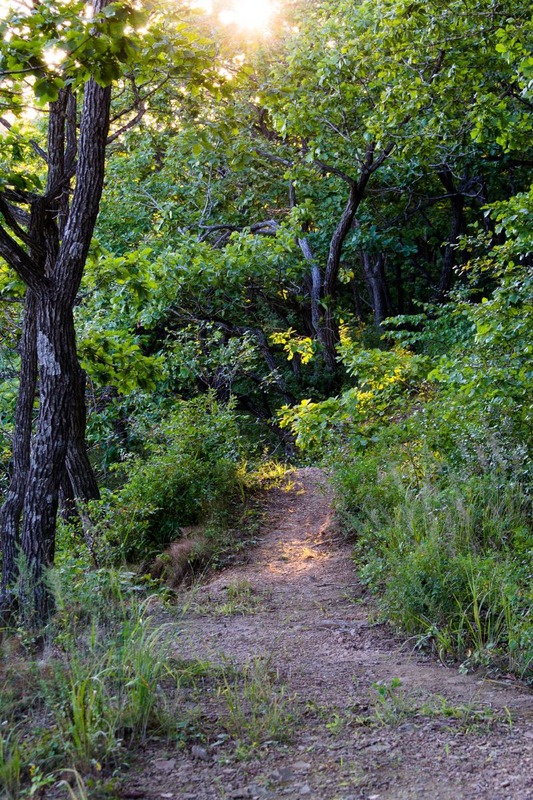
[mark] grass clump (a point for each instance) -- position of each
(98, 690)
(392, 705)
(239, 599)
(10, 764)
(258, 710)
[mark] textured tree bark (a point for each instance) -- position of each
(11, 511)
(78, 467)
(59, 421)
(56, 359)
(59, 237)
(374, 269)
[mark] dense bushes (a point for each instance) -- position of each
(449, 554)
(189, 475)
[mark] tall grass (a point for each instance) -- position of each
(257, 707)
(448, 553)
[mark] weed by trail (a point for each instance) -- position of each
(392, 704)
(258, 710)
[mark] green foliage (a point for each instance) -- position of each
(58, 45)
(432, 463)
(182, 293)
(82, 46)
(451, 557)
(189, 473)
(386, 383)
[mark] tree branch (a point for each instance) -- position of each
(38, 149)
(9, 215)
(20, 261)
(131, 124)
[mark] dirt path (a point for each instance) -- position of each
(371, 719)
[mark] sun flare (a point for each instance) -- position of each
(255, 15)
(250, 15)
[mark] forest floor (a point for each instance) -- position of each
(364, 715)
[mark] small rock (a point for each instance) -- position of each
(199, 752)
(165, 764)
(282, 775)
(256, 792)
(301, 766)
(306, 789)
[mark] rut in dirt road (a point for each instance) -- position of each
(372, 720)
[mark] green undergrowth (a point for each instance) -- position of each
(448, 553)
(107, 678)
(194, 485)
(80, 699)
(191, 473)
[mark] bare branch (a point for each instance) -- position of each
(9, 215)
(273, 158)
(20, 261)
(376, 163)
(131, 124)
(21, 216)
(328, 168)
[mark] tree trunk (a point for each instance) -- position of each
(377, 283)
(59, 237)
(56, 359)
(324, 287)
(457, 229)
(400, 291)
(357, 304)
(11, 511)
(78, 467)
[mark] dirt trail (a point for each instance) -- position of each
(435, 734)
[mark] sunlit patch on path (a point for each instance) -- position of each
(366, 716)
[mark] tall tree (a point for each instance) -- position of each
(45, 238)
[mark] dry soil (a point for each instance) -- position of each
(372, 718)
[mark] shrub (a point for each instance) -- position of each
(190, 474)
(449, 554)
